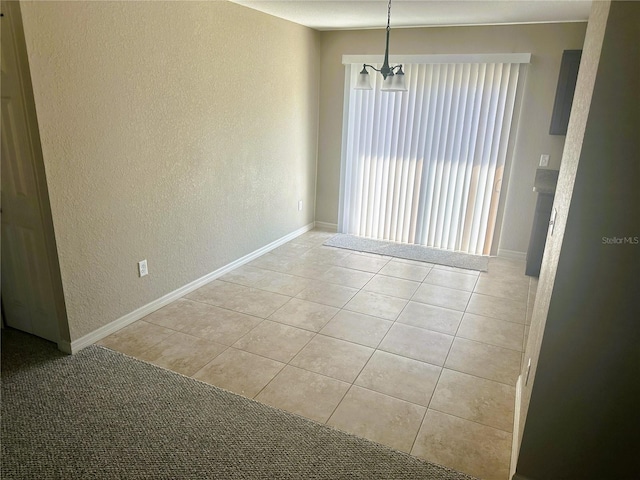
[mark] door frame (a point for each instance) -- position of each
(12, 20)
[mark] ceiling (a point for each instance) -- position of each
(357, 14)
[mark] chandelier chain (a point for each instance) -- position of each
(389, 16)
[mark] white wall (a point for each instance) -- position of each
(183, 133)
(546, 44)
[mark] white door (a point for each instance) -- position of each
(27, 288)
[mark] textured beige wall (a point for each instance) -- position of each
(180, 132)
(581, 407)
(564, 192)
(546, 44)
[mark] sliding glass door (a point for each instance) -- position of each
(425, 166)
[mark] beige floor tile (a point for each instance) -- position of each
(304, 393)
(517, 276)
(400, 377)
(506, 262)
(291, 249)
(136, 338)
(247, 275)
(329, 255)
(366, 263)
(276, 282)
(451, 279)
(442, 297)
(500, 308)
(220, 325)
(378, 417)
(376, 304)
(504, 270)
(309, 242)
(372, 255)
(414, 262)
(182, 353)
(346, 277)
(318, 235)
(531, 301)
(529, 315)
(328, 294)
(404, 270)
(333, 358)
(417, 343)
(180, 313)
(313, 237)
(464, 271)
(357, 328)
(439, 319)
(301, 313)
(239, 298)
(504, 267)
(469, 447)
(392, 286)
(269, 261)
(274, 340)
(486, 361)
(240, 372)
(393, 385)
(504, 287)
(491, 331)
(284, 283)
(477, 399)
(307, 269)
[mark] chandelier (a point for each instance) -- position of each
(393, 76)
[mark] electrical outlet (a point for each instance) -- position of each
(142, 268)
(544, 160)
(299, 205)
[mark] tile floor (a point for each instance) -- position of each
(423, 358)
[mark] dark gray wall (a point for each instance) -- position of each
(583, 419)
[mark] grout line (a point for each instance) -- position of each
(227, 347)
(488, 344)
(286, 364)
(472, 421)
(390, 396)
(334, 263)
(326, 422)
(422, 423)
(478, 377)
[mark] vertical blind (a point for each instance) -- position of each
(425, 166)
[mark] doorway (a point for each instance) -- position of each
(31, 288)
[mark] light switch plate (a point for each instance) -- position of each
(544, 160)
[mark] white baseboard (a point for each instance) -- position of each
(512, 254)
(145, 310)
(331, 227)
(516, 428)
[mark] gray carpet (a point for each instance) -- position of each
(102, 415)
(410, 252)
